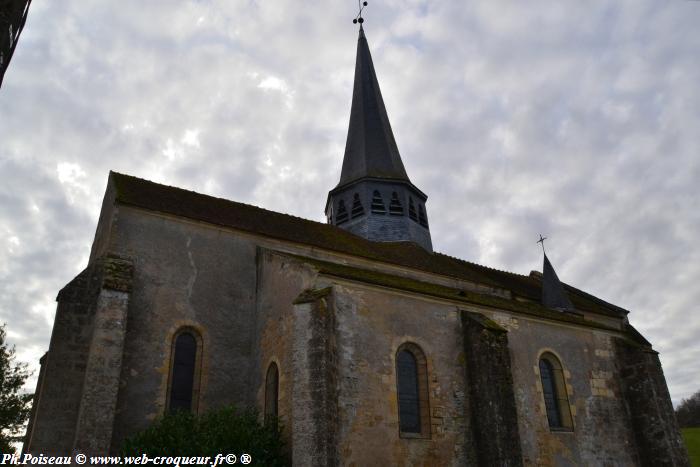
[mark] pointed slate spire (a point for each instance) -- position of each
(374, 198)
(370, 150)
(553, 293)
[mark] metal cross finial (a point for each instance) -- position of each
(359, 19)
(541, 240)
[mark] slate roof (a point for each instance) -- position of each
(370, 150)
(402, 283)
(13, 16)
(553, 293)
(152, 196)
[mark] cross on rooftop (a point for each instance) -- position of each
(541, 240)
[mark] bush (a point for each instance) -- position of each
(223, 431)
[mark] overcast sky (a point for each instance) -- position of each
(579, 120)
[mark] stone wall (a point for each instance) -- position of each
(493, 413)
(191, 275)
(54, 427)
(371, 324)
(656, 431)
(81, 367)
(93, 432)
(36, 401)
(601, 432)
(280, 281)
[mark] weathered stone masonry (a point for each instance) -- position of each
(86, 347)
(493, 411)
(649, 404)
(315, 384)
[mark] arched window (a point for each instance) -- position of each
(395, 208)
(412, 210)
(271, 391)
(412, 388)
(342, 214)
(556, 401)
(183, 387)
(357, 209)
(378, 203)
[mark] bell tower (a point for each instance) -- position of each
(374, 198)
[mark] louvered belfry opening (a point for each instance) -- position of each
(342, 214)
(395, 207)
(378, 203)
(422, 218)
(357, 209)
(412, 210)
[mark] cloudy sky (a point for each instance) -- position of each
(576, 119)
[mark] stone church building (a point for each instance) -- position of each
(370, 347)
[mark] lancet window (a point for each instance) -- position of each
(556, 400)
(184, 384)
(412, 388)
(271, 392)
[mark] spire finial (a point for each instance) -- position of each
(359, 19)
(541, 240)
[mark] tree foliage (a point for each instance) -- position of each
(688, 412)
(15, 405)
(223, 431)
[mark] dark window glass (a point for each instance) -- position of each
(183, 372)
(271, 391)
(409, 402)
(549, 391)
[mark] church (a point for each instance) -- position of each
(370, 347)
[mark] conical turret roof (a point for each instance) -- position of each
(370, 150)
(553, 293)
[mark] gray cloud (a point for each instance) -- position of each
(576, 120)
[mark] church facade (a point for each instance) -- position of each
(370, 348)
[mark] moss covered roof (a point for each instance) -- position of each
(439, 291)
(152, 196)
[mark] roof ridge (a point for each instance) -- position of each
(471, 263)
(218, 197)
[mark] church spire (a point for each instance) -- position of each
(375, 198)
(370, 150)
(553, 293)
